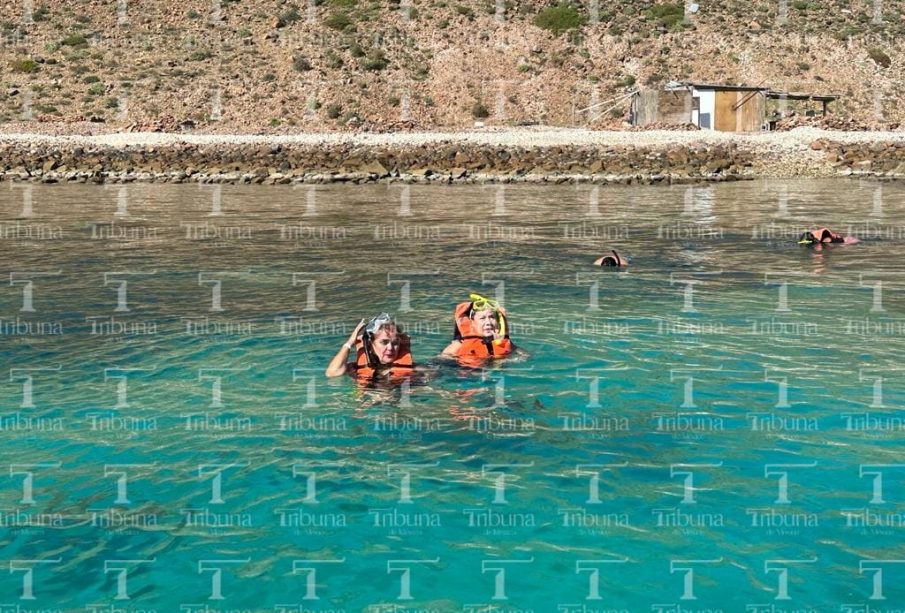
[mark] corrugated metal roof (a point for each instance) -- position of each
(769, 93)
(802, 96)
(726, 87)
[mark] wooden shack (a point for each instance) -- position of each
(728, 108)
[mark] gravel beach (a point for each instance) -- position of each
(507, 137)
(511, 153)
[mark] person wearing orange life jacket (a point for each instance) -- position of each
(481, 331)
(615, 260)
(825, 236)
(382, 352)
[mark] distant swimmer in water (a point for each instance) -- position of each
(382, 353)
(481, 332)
(615, 260)
(825, 236)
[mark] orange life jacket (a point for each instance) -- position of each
(474, 345)
(368, 367)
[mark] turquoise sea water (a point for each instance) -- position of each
(718, 428)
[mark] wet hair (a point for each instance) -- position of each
(609, 261)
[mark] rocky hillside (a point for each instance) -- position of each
(285, 66)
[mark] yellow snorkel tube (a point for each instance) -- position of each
(479, 303)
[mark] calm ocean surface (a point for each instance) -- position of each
(719, 428)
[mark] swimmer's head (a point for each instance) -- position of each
(614, 261)
(807, 238)
(486, 316)
(382, 338)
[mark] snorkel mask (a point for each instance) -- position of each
(480, 303)
(376, 323)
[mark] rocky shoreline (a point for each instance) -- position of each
(556, 157)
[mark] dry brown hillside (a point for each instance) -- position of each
(231, 65)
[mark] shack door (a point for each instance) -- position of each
(725, 116)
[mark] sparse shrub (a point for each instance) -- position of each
(97, 89)
(193, 14)
(334, 111)
(343, 4)
(559, 19)
(465, 11)
(91, 79)
(479, 111)
(40, 14)
(75, 40)
(668, 15)
(333, 60)
(375, 61)
(301, 63)
(112, 103)
(243, 33)
(357, 50)
(288, 17)
(845, 32)
(803, 66)
(421, 72)
(444, 23)
(200, 55)
(338, 20)
(626, 81)
(27, 66)
(393, 101)
(523, 68)
(879, 57)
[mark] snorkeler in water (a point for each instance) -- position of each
(825, 236)
(382, 352)
(615, 260)
(481, 331)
